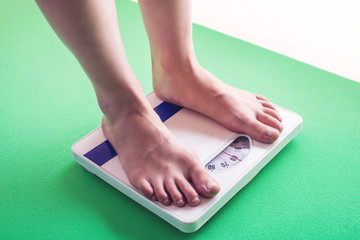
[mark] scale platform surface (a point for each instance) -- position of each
(233, 159)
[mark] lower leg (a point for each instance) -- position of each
(178, 78)
(89, 28)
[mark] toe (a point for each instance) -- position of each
(273, 113)
(270, 121)
(260, 97)
(268, 104)
(191, 196)
(145, 187)
(261, 132)
(175, 194)
(204, 183)
(160, 193)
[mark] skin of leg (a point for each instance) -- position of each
(156, 163)
(178, 77)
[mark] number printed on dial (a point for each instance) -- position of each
(235, 153)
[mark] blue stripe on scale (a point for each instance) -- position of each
(103, 152)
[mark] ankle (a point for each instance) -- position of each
(116, 104)
(171, 64)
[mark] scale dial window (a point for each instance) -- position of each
(231, 156)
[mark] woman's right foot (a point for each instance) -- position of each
(155, 162)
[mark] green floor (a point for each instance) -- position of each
(310, 190)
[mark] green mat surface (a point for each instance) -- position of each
(310, 190)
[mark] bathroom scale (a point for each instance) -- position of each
(233, 159)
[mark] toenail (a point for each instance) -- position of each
(179, 202)
(210, 185)
(270, 133)
(195, 200)
(166, 202)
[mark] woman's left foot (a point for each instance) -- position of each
(238, 110)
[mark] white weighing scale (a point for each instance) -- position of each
(233, 159)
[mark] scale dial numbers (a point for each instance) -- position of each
(231, 156)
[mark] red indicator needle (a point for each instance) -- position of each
(232, 156)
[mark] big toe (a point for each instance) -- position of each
(204, 183)
(143, 186)
(262, 132)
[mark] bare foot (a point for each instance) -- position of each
(155, 162)
(191, 86)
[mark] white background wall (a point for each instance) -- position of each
(322, 33)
